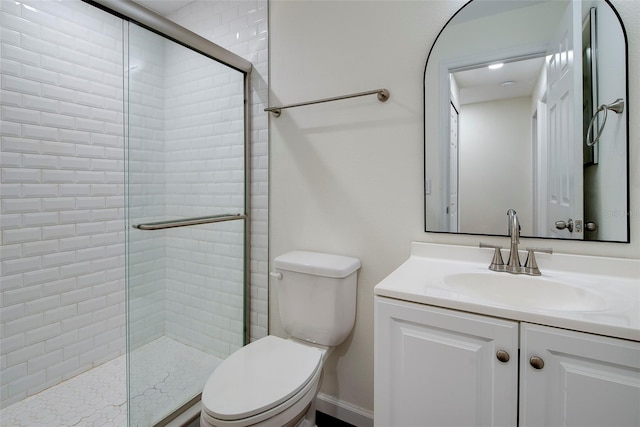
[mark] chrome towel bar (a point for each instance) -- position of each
(185, 222)
(383, 95)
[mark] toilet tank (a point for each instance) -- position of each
(317, 295)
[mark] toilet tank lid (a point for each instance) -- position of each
(316, 263)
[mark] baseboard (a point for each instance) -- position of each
(344, 411)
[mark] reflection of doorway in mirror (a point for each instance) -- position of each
(453, 170)
(495, 146)
(539, 167)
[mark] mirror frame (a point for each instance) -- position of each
(424, 129)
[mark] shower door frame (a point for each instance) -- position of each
(133, 12)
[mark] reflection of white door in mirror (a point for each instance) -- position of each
(540, 169)
(564, 112)
(453, 170)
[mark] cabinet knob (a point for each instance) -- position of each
(502, 356)
(536, 362)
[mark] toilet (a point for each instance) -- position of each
(274, 381)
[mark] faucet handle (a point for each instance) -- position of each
(530, 265)
(497, 262)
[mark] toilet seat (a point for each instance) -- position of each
(261, 380)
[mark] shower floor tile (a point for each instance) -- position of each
(97, 398)
(94, 398)
(178, 372)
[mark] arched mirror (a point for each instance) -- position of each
(525, 108)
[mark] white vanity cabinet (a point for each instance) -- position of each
(438, 367)
(576, 379)
(441, 367)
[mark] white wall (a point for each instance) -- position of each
(607, 173)
(347, 177)
(495, 136)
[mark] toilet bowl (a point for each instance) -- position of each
(274, 381)
(270, 382)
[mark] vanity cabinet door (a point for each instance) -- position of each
(576, 379)
(438, 367)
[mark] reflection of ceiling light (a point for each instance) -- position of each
(496, 66)
(507, 83)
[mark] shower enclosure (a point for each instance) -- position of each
(186, 200)
(128, 146)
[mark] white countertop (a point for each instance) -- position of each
(616, 281)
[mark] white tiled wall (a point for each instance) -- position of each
(62, 193)
(241, 27)
(145, 102)
(204, 175)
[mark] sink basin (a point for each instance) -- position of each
(524, 291)
(598, 295)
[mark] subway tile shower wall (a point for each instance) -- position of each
(241, 27)
(146, 184)
(63, 193)
(186, 158)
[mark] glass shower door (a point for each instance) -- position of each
(185, 168)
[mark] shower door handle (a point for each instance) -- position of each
(186, 222)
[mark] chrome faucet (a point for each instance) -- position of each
(513, 265)
(514, 232)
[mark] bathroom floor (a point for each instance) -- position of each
(324, 420)
(98, 396)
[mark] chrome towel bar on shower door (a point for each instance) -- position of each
(383, 95)
(185, 222)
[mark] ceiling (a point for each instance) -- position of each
(494, 7)
(476, 85)
(164, 7)
(482, 84)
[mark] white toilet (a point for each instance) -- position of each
(274, 381)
